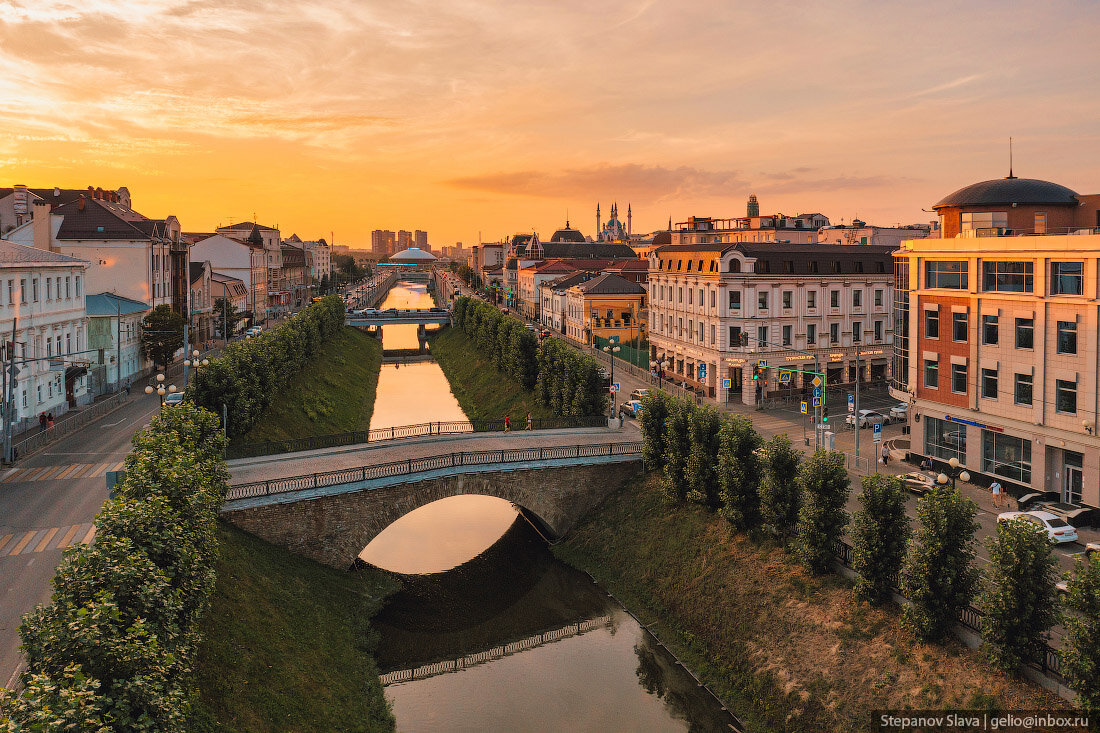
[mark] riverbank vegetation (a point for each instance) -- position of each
(788, 650)
(288, 643)
(335, 393)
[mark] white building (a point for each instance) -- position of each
(42, 295)
(114, 339)
(859, 232)
(240, 259)
(269, 239)
(553, 296)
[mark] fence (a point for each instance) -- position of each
(315, 442)
(637, 356)
(429, 463)
(1047, 661)
(69, 424)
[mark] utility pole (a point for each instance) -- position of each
(10, 395)
(855, 417)
(186, 355)
(118, 345)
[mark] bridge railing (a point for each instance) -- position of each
(315, 442)
(411, 466)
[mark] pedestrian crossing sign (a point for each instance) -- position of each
(784, 376)
(727, 384)
(817, 402)
(803, 407)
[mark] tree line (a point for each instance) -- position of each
(252, 373)
(115, 648)
(563, 379)
(722, 463)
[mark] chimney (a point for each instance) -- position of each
(99, 193)
(41, 225)
(80, 202)
(56, 191)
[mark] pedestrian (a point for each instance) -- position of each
(49, 423)
(127, 387)
(42, 422)
(885, 455)
(528, 422)
(925, 465)
(507, 423)
(621, 418)
(995, 487)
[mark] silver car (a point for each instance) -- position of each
(1058, 530)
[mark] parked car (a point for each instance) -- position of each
(529, 326)
(544, 334)
(917, 482)
(605, 376)
(631, 408)
(1058, 530)
(899, 411)
(1091, 549)
(176, 398)
(639, 394)
(867, 418)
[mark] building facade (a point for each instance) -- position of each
(795, 304)
(236, 292)
(240, 259)
(606, 306)
(202, 303)
(114, 338)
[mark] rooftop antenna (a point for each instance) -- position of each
(1010, 158)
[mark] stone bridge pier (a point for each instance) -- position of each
(334, 529)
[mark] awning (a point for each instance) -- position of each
(74, 372)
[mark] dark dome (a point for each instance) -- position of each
(567, 235)
(1009, 191)
(662, 238)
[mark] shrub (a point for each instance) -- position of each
(700, 475)
(677, 449)
(1019, 597)
(739, 469)
(821, 520)
(1081, 648)
(938, 576)
(652, 422)
(880, 536)
(780, 493)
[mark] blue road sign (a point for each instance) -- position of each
(614, 387)
(817, 392)
(803, 407)
(784, 376)
(876, 430)
(702, 371)
(851, 403)
(727, 383)
(762, 363)
(817, 402)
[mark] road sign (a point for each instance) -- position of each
(876, 431)
(613, 388)
(817, 381)
(702, 372)
(784, 376)
(817, 391)
(851, 403)
(817, 402)
(727, 384)
(762, 363)
(803, 407)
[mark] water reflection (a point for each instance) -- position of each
(404, 295)
(411, 394)
(583, 663)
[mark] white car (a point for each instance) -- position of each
(899, 411)
(176, 398)
(867, 418)
(1058, 530)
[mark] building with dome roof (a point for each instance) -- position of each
(567, 234)
(613, 230)
(997, 339)
(412, 256)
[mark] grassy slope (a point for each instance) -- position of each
(334, 395)
(287, 644)
(767, 637)
(482, 391)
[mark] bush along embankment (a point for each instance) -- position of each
(547, 379)
(728, 546)
(248, 377)
(115, 648)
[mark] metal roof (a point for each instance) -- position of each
(1008, 191)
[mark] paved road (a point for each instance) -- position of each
(47, 503)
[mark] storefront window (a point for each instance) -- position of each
(944, 440)
(1007, 456)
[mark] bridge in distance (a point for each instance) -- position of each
(419, 316)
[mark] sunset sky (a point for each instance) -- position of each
(457, 117)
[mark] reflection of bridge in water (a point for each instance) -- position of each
(497, 652)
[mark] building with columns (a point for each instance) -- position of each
(795, 302)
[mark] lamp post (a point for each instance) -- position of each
(611, 348)
(953, 471)
(160, 389)
(193, 361)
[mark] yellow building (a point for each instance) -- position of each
(604, 307)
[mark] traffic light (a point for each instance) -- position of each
(744, 338)
(756, 372)
(824, 414)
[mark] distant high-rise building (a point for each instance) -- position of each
(404, 240)
(420, 239)
(382, 242)
(754, 206)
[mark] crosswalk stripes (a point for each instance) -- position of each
(61, 472)
(50, 538)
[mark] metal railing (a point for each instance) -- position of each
(69, 424)
(315, 442)
(411, 466)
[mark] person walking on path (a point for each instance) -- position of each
(995, 487)
(528, 422)
(885, 455)
(507, 423)
(42, 422)
(49, 423)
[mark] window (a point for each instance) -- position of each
(813, 266)
(788, 296)
(712, 339)
(878, 330)
(78, 286)
(34, 289)
(1011, 277)
(680, 294)
(811, 298)
(1065, 396)
(932, 324)
(11, 292)
(1006, 456)
(1025, 333)
(1040, 222)
(1067, 278)
(679, 328)
(990, 330)
(701, 296)
(712, 296)
(989, 384)
(762, 300)
(944, 440)
(953, 274)
(735, 299)
(735, 336)
(984, 220)
(68, 343)
(857, 331)
(49, 346)
(811, 334)
(58, 342)
(958, 378)
(38, 389)
(49, 288)
(1067, 337)
(958, 326)
(834, 298)
(1023, 389)
(762, 334)
(834, 333)
(786, 335)
(68, 290)
(931, 374)
(857, 298)
(878, 298)
(22, 290)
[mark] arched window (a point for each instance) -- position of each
(735, 265)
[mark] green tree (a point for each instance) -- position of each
(1081, 648)
(324, 285)
(880, 536)
(226, 316)
(161, 335)
(739, 472)
(780, 492)
(677, 449)
(700, 470)
(652, 422)
(938, 576)
(821, 520)
(1019, 597)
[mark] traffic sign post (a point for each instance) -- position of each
(784, 376)
(613, 389)
(851, 403)
(803, 407)
(727, 383)
(876, 432)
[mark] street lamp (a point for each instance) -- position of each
(953, 471)
(160, 389)
(611, 348)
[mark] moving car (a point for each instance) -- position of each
(639, 394)
(867, 418)
(899, 411)
(1058, 530)
(176, 398)
(917, 482)
(631, 408)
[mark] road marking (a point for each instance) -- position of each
(89, 537)
(111, 425)
(46, 540)
(4, 540)
(67, 538)
(22, 543)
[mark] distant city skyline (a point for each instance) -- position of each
(499, 117)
